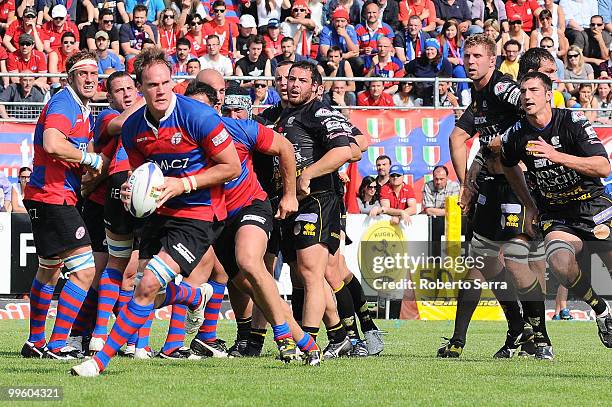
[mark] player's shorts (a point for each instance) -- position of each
(316, 221)
(56, 228)
(93, 215)
(275, 234)
(347, 240)
(258, 213)
(589, 220)
(116, 218)
(185, 240)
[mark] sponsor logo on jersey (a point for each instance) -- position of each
(578, 116)
(220, 138)
(501, 87)
(512, 220)
(255, 218)
(307, 217)
(603, 216)
(183, 251)
(309, 229)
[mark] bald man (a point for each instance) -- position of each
(384, 64)
(215, 79)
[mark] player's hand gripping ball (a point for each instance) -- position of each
(145, 186)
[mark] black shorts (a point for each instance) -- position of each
(316, 221)
(93, 215)
(185, 240)
(589, 220)
(56, 228)
(116, 218)
(258, 213)
(347, 239)
(499, 214)
(275, 234)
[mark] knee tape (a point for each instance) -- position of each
(161, 270)
(79, 262)
(50, 264)
(557, 245)
(517, 250)
(120, 248)
(481, 246)
(538, 252)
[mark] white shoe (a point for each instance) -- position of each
(95, 345)
(142, 353)
(89, 368)
(195, 317)
(76, 342)
(130, 350)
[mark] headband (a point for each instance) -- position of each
(84, 63)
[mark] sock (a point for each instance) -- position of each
(467, 301)
(86, 318)
(336, 333)
(312, 331)
(360, 304)
(108, 293)
(281, 331)
(40, 299)
(176, 330)
(307, 343)
(346, 311)
(131, 317)
(243, 329)
(124, 297)
(208, 330)
(68, 306)
(532, 300)
(144, 332)
(258, 336)
(508, 303)
(297, 304)
(182, 294)
(582, 288)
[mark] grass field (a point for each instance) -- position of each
(406, 374)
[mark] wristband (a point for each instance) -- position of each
(186, 185)
(192, 181)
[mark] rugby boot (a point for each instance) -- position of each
(604, 328)
(209, 349)
(451, 349)
(288, 350)
(336, 350)
(30, 351)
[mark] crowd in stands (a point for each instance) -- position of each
(384, 39)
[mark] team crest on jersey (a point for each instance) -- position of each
(578, 116)
(290, 121)
(501, 87)
(80, 232)
(555, 141)
(176, 138)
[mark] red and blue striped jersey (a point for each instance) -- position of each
(55, 181)
(114, 148)
(392, 69)
(248, 136)
(187, 137)
(367, 38)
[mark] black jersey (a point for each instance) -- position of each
(493, 109)
(569, 132)
(264, 164)
(314, 129)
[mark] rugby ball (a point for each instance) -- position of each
(145, 183)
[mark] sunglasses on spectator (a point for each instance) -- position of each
(58, 18)
(395, 175)
(546, 46)
(299, 10)
(108, 21)
(69, 42)
(596, 24)
(30, 16)
(196, 23)
(219, 10)
(573, 55)
(516, 22)
(261, 85)
(169, 16)
(26, 43)
(371, 186)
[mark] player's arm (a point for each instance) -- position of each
(56, 145)
(458, 151)
(283, 148)
(330, 162)
(113, 127)
(358, 144)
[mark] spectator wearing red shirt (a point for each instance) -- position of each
(397, 199)
(54, 29)
(26, 58)
(3, 60)
(196, 35)
(273, 39)
(424, 9)
(58, 57)
(7, 13)
(372, 31)
(375, 96)
(227, 31)
(27, 25)
(384, 65)
(527, 9)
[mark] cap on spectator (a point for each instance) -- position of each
(59, 11)
(301, 4)
(273, 23)
(515, 17)
(247, 21)
(432, 43)
(29, 12)
(340, 12)
(396, 169)
(25, 37)
(103, 34)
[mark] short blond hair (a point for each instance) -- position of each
(480, 39)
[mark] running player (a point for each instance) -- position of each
(61, 138)
(567, 161)
(196, 154)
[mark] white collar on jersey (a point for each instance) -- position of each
(85, 110)
(166, 115)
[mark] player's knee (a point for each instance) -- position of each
(121, 249)
(560, 254)
(516, 250)
(251, 264)
(149, 285)
(158, 269)
(482, 247)
(51, 264)
(80, 263)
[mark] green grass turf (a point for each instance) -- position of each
(406, 374)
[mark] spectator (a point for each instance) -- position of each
(213, 59)
(577, 19)
(180, 58)
(71, 6)
(353, 8)
(437, 190)
(269, 9)
(196, 35)
(342, 35)
(451, 47)
(558, 99)
(383, 165)
(576, 68)
(288, 54)
(425, 10)
(430, 65)
(375, 95)
(18, 189)
(246, 28)
(484, 10)
(170, 28)
(17, 28)
(339, 95)
(230, 13)
(255, 63)
(54, 29)
(604, 8)
(3, 60)
(184, 8)
(26, 58)
(517, 33)
(7, 14)
(598, 41)
(603, 98)
(131, 35)
(5, 193)
(409, 43)
(262, 94)
(446, 96)
(115, 8)
(193, 68)
(369, 34)
(336, 66)
(491, 30)
(510, 63)
(405, 96)
(384, 65)
(129, 63)
(585, 100)
(272, 39)
(546, 29)
(25, 92)
(558, 16)
(316, 15)
(106, 22)
(153, 7)
(457, 10)
(388, 13)
(106, 57)
(58, 57)
(606, 67)
(301, 28)
(397, 198)
(526, 10)
(225, 29)
(367, 196)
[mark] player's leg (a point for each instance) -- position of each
(339, 342)
(372, 334)
(242, 305)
